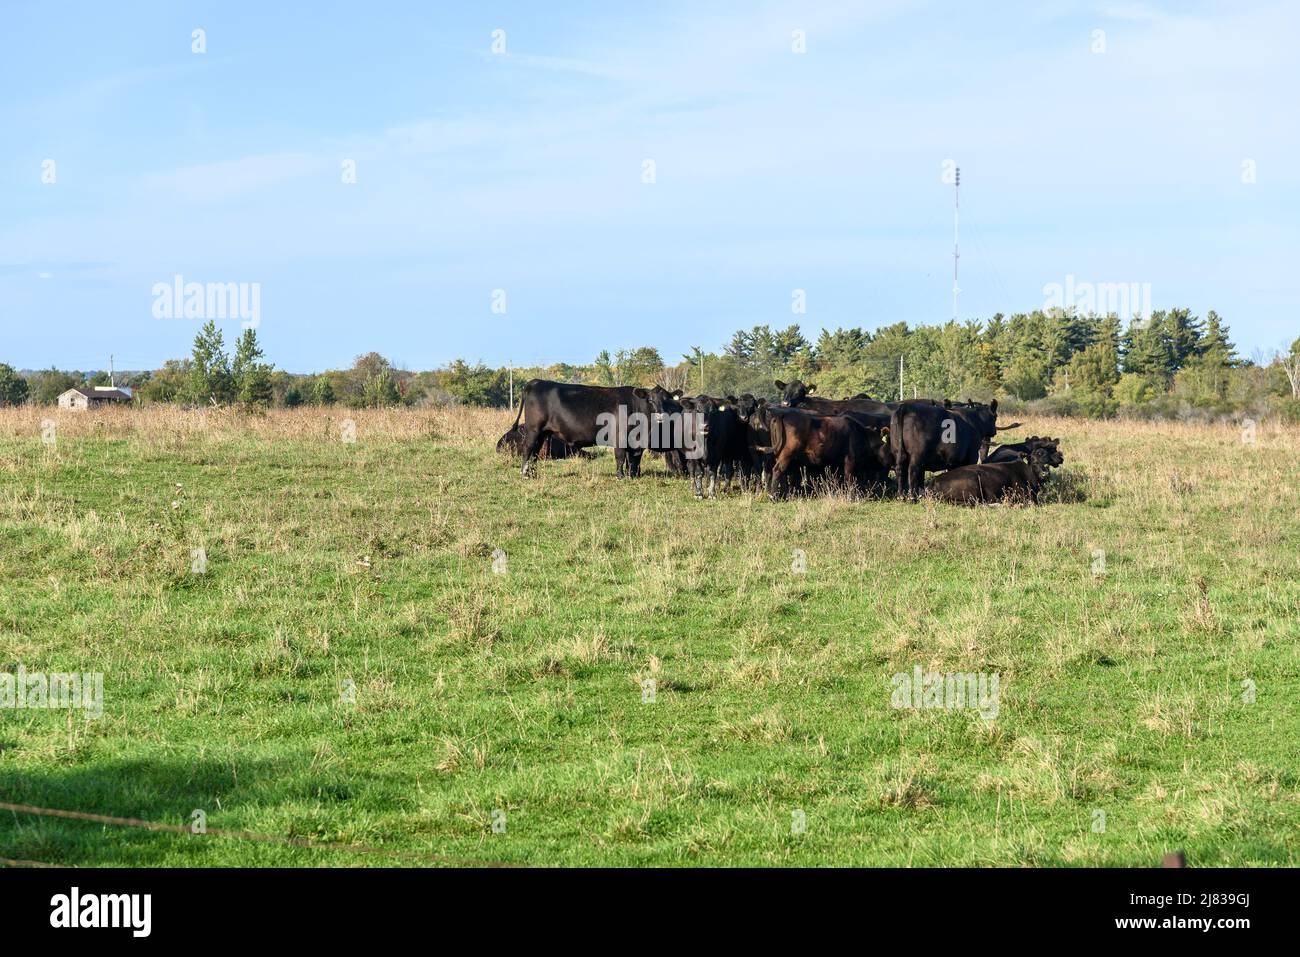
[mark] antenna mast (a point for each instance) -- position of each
(956, 219)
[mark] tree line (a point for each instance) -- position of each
(1171, 363)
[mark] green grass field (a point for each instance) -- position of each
(365, 570)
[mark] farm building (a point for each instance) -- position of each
(93, 397)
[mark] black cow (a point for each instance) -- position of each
(726, 443)
(986, 483)
(553, 448)
(676, 459)
(834, 443)
(754, 414)
(575, 414)
(796, 395)
(1018, 451)
(928, 437)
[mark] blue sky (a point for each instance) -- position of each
(522, 171)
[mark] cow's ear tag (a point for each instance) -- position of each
(722, 408)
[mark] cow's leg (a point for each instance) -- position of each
(620, 460)
(915, 478)
(776, 487)
(900, 473)
(851, 474)
(634, 462)
(713, 481)
(693, 467)
(532, 444)
(746, 479)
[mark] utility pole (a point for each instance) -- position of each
(956, 218)
(512, 383)
(900, 377)
(112, 383)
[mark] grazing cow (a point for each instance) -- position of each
(553, 448)
(997, 482)
(1017, 451)
(574, 412)
(928, 437)
(836, 443)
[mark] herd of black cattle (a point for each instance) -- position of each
(797, 444)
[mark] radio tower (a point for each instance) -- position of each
(956, 217)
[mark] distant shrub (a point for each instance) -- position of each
(1288, 410)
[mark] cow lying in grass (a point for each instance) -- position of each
(1018, 451)
(925, 437)
(1016, 481)
(553, 448)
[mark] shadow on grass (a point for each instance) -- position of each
(166, 792)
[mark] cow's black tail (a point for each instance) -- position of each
(523, 394)
(776, 435)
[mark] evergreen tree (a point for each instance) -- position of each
(1183, 331)
(604, 369)
(740, 348)
(251, 377)
(247, 352)
(210, 379)
(1215, 342)
(1147, 350)
(256, 389)
(1204, 377)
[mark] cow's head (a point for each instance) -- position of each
(660, 399)
(878, 445)
(1041, 460)
(795, 392)
(753, 411)
(1050, 447)
(980, 417)
(700, 403)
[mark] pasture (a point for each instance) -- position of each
(354, 666)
